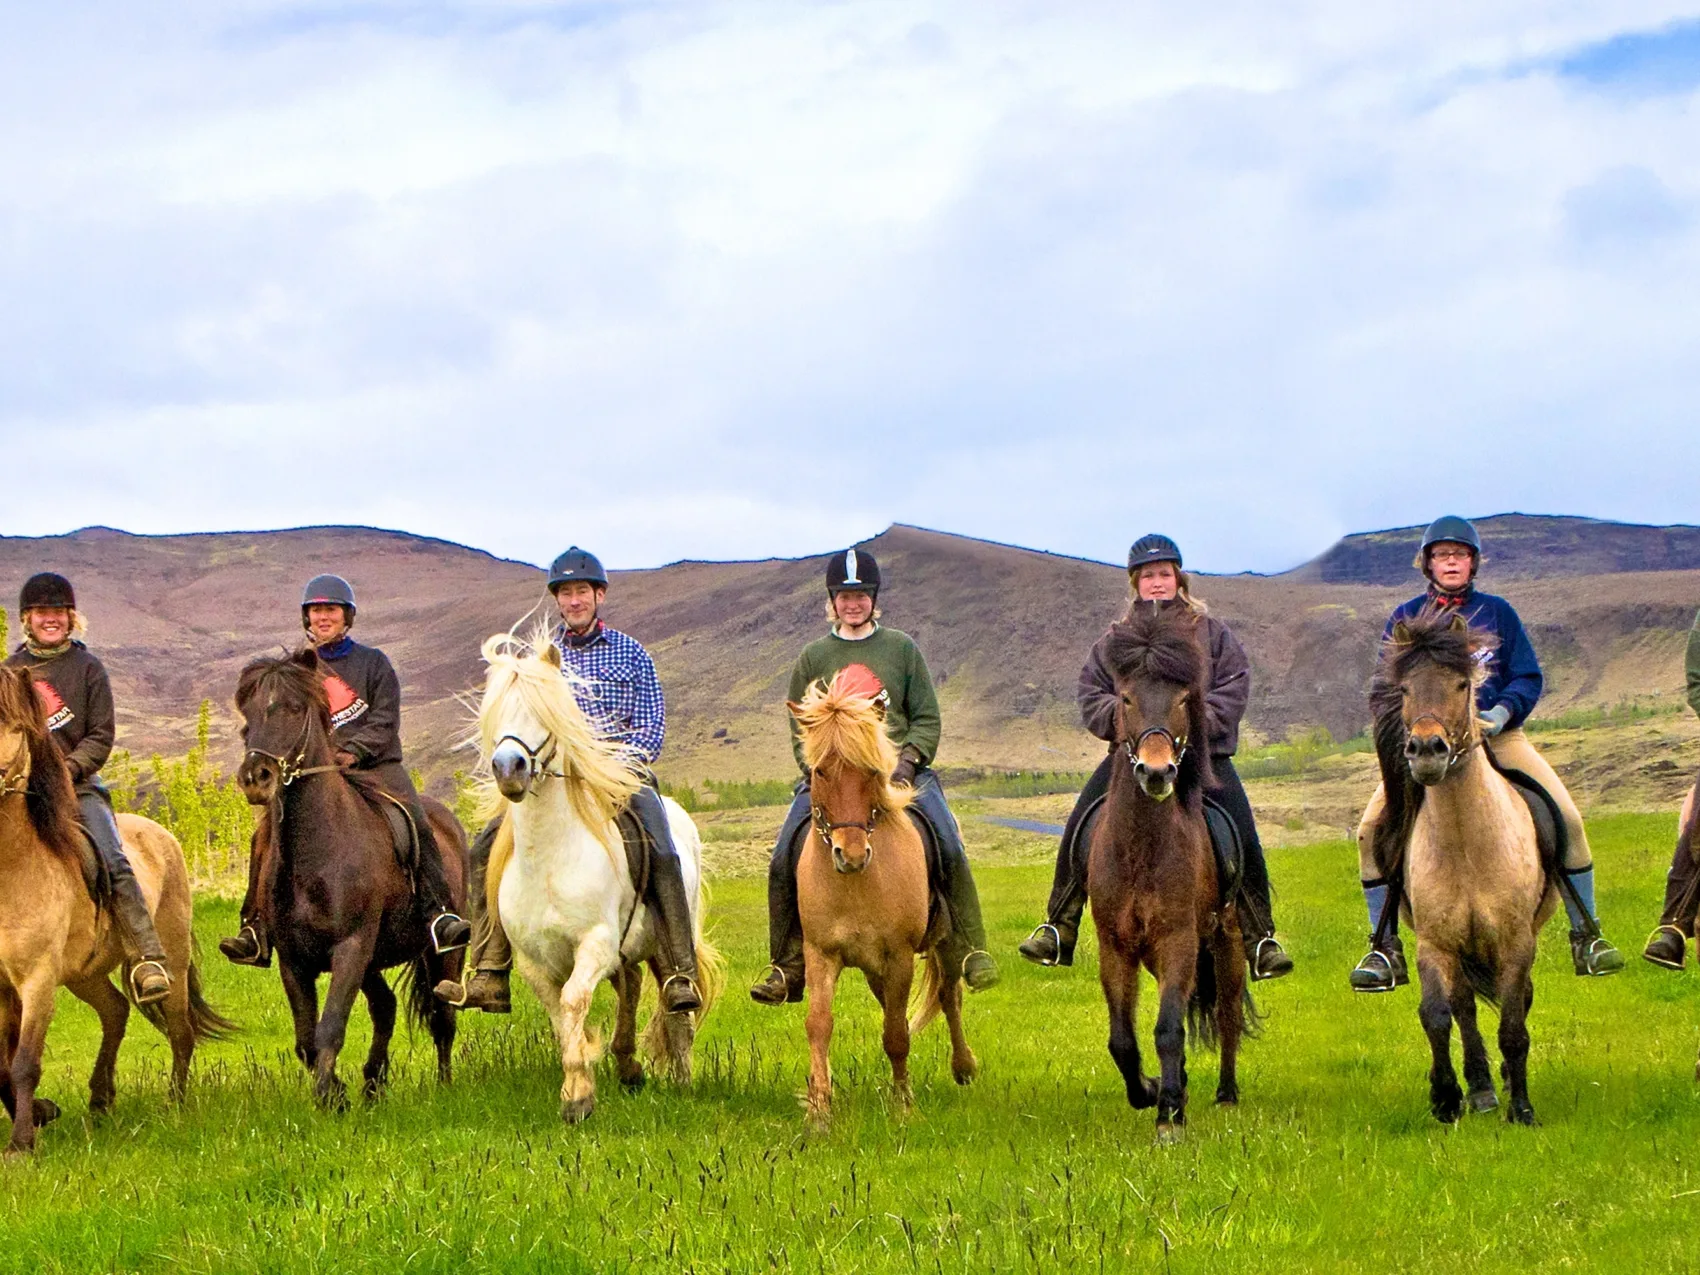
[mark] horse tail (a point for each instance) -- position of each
(927, 1003)
(711, 976)
(414, 986)
(205, 1021)
(1201, 1008)
(1482, 974)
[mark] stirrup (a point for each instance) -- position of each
(1056, 937)
(431, 930)
(679, 976)
(136, 986)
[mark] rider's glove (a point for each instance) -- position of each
(908, 762)
(1495, 720)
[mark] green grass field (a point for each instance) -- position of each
(1331, 1162)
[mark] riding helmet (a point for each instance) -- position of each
(576, 564)
(1451, 527)
(46, 590)
(854, 569)
(1153, 548)
(328, 591)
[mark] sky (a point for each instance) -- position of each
(735, 280)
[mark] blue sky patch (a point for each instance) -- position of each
(1641, 62)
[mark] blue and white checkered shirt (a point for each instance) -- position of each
(623, 695)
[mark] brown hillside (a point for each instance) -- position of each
(1004, 629)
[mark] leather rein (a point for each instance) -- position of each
(289, 769)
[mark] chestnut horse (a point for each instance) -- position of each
(1475, 889)
(51, 933)
(336, 898)
(862, 889)
(1151, 875)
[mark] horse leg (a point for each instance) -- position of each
(1177, 970)
(820, 977)
(381, 1005)
(963, 1065)
(350, 959)
(441, 1022)
(35, 1012)
(598, 956)
(114, 1012)
(301, 986)
(1516, 994)
(628, 985)
(46, 1110)
(1119, 977)
(894, 997)
(1478, 1074)
(1438, 974)
(1227, 950)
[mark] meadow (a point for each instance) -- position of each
(1331, 1162)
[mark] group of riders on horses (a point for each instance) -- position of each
(616, 684)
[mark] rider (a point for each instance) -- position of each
(1155, 574)
(365, 703)
(1669, 944)
(1450, 556)
(619, 691)
(77, 698)
(913, 723)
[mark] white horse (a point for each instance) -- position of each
(558, 876)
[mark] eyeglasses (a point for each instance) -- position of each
(1450, 555)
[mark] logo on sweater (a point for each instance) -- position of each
(346, 706)
(52, 705)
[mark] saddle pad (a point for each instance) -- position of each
(1550, 834)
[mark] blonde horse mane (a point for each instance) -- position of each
(844, 725)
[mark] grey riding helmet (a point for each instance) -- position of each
(328, 590)
(1455, 530)
(854, 569)
(576, 564)
(1153, 548)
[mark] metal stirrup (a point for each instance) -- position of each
(681, 976)
(137, 968)
(1056, 936)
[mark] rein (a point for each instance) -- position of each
(16, 785)
(289, 769)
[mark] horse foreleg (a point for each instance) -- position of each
(597, 957)
(1516, 994)
(35, 1012)
(820, 976)
(381, 1005)
(1119, 977)
(1227, 950)
(1177, 971)
(350, 960)
(114, 1012)
(894, 998)
(301, 987)
(628, 986)
(1438, 974)
(1478, 1074)
(963, 1065)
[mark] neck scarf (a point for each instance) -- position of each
(1449, 601)
(45, 652)
(577, 640)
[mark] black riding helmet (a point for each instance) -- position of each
(853, 569)
(328, 591)
(576, 564)
(1454, 530)
(46, 589)
(1153, 548)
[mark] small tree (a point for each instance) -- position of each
(5, 630)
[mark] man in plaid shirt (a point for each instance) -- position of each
(621, 694)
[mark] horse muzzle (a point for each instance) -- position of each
(1429, 757)
(845, 865)
(511, 769)
(258, 777)
(1158, 782)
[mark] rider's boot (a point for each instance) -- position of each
(956, 882)
(149, 979)
(251, 945)
(1383, 967)
(1590, 953)
(490, 958)
(1668, 947)
(782, 983)
(1051, 943)
(1265, 957)
(448, 930)
(669, 909)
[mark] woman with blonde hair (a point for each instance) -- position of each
(1155, 574)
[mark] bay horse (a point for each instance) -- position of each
(862, 889)
(52, 934)
(336, 897)
(1475, 888)
(559, 878)
(1151, 873)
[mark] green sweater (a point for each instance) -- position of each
(912, 717)
(1694, 665)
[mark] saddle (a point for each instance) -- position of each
(637, 848)
(404, 835)
(940, 922)
(1224, 843)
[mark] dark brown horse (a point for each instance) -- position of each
(1151, 876)
(336, 897)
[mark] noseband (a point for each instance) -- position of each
(289, 769)
(825, 827)
(536, 767)
(16, 785)
(1177, 743)
(1455, 756)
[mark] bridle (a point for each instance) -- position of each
(289, 768)
(825, 827)
(1177, 743)
(536, 766)
(16, 785)
(1455, 756)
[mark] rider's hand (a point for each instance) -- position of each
(345, 759)
(1495, 720)
(908, 762)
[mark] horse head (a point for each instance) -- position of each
(286, 723)
(19, 716)
(31, 765)
(1159, 669)
(1430, 668)
(850, 760)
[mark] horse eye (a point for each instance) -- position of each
(1463, 686)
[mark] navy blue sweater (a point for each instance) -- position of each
(1514, 673)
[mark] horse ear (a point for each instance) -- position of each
(794, 708)
(551, 655)
(1402, 633)
(306, 657)
(1459, 624)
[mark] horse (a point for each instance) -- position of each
(337, 899)
(559, 878)
(862, 890)
(1151, 873)
(1475, 888)
(52, 933)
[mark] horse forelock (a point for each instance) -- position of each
(1432, 635)
(1157, 643)
(50, 798)
(303, 686)
(843, 727)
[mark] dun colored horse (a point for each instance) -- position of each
(51, 933)
(336, 897)
(862, 890)
(1152, 875)
(1475, 890)
(559, 878)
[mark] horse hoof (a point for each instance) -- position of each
(577, 1110)
(46, 1111)
(1142, 1094)
(634, 1082)
(1227, 1099)
(966, 1075)
(1524, 1115)
(1483, 1101)
(1169, 1135)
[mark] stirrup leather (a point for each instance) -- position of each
(1056, 937)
